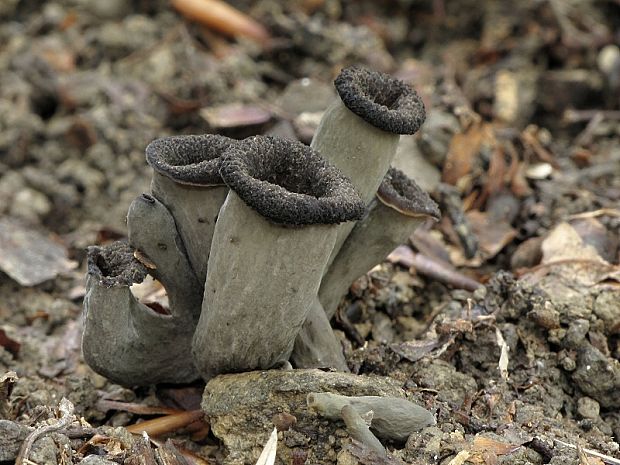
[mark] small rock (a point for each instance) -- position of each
(30, 205)
(29, 257)
(576, 333)
(241, 408)
(588, 408)
(545, 316)
(235, 115)
(11, 437)
(607, 308)
(598, 376)
(95, 460)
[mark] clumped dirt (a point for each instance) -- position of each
(503, 318)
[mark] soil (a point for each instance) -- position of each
(503, 318)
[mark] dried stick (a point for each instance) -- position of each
(166, 424)
(66, 409)
(221, 17)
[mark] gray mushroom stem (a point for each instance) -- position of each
(398, 209)
(152, 230)
(359, 430)
(392, 418)
(129, 342)
(272, 239)
(316, 346)
(186, 180)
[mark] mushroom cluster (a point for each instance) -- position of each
(255, 242)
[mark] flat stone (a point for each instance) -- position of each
(241, 408)
(11, 437)
(28, 256)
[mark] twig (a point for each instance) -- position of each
(578, 116)
(586, 136)
(66, 409)
(106, 404)
(358, 430)
(595, 213)
(222, 17)
(166, 424)
(439, 271)
(593, 453)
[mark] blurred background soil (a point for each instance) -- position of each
(504, 317)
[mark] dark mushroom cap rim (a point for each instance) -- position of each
(401, 193)
(289, 183)
(115, 265)
(189, 160)
(381, 100)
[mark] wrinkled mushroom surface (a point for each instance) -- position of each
(289, 183)
(188, 160)
(381, 100)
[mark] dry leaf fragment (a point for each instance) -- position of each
(460, 458)
(463, 149)
(28, 256)
(415, 350)
(482, 443)
(503, 357)
(221, 17)
(268, 455)
(144, 259)
(10, 344)
(492, 235)
(235, 115)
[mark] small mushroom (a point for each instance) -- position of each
(399, 207)
(393, 418)
(271, 243)
(127, 341)
(360, 132)
(186, 180)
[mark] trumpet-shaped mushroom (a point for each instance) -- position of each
(359, 133)
(399, 207)
(186, 180)
(125, 340)
(271, 243)
(392, 417)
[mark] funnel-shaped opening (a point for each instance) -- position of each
(192, 160)
(289, 183)
(381, 100)
(404, 195)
